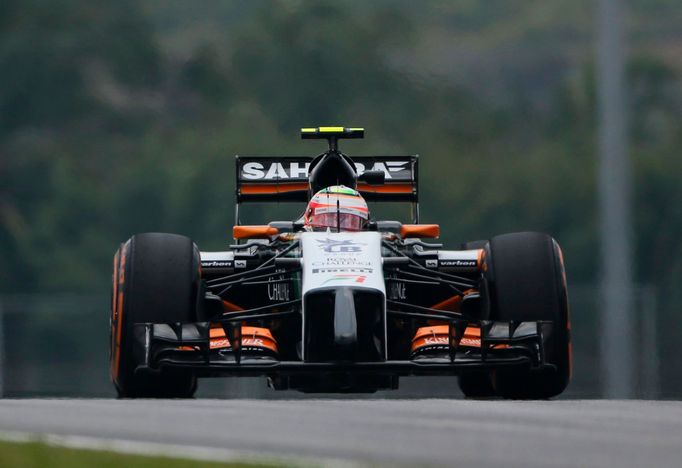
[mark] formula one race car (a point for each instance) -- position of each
(337, 301)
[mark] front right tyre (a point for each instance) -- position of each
(156, 280)
(476, 384)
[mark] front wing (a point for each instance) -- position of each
(187, 346)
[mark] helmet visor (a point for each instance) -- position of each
(346, 221)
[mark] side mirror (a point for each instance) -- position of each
(282, 226)
(373, 177)
(254, 232)
(431, 231)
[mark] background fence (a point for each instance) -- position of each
(57, 345)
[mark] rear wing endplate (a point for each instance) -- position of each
(285, 179)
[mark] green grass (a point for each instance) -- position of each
(41, 455)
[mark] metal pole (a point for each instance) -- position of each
(2, 351)
(617, 358)
(649, 360)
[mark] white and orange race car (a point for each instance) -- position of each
(337, 310)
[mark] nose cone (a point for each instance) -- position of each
(345, 322)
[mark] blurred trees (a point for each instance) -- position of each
(70, 70)
(108, 127)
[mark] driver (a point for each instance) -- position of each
(337, 208)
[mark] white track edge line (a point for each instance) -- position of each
(187, 452)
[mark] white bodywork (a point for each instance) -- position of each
(332, 259)
(342, 259)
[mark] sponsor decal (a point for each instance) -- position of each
(432, 263)
(341, 262)
(436, 340)
(278, 292)
(220, 343)
(224, 343)
(340, 246)
(347, 277)
(459, 263)
(274, 170)
(277, 171)
(443, 340)
(240, 263)
(342, 269)
(473, 342)
(392, 169)
(216, 264)
(338, 263)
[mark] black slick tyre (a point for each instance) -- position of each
(156, 279)
(526, 281)
(476, 385)
(477, 244)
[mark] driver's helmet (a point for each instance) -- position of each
(336, 208)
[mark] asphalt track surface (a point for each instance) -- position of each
(562, 433)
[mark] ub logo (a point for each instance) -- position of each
(340, 246)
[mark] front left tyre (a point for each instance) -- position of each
(156, 280)
(526, 281)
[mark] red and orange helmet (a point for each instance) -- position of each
(336, 207)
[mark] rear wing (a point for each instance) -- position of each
(285, 179)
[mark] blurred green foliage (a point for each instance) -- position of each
(43, 455)
(120, 117)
